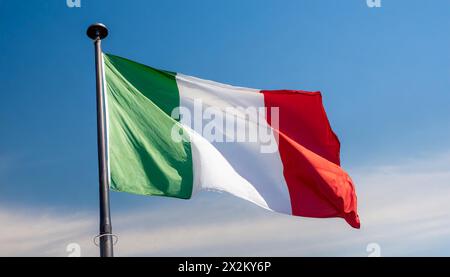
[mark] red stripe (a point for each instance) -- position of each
(309, 151)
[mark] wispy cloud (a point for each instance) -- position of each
(405, 208)
(41, 233)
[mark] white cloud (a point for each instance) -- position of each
(40, 233)
(404, 208)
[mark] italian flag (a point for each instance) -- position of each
(156, 147)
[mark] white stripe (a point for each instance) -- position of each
(106, 112)
(238, 168)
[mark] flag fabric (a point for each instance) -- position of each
(173, 135)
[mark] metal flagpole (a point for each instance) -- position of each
(97, 32)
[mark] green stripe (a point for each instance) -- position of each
(143, 157)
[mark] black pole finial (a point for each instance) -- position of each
(97, 31)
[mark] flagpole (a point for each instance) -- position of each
(97, 32)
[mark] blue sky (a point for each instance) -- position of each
(384, 73)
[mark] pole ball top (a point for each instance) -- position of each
(97, 30)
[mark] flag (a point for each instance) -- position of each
(170, 134)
